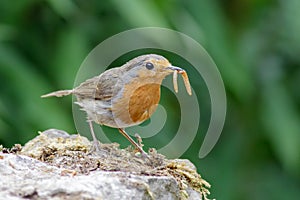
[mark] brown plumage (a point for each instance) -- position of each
(123, 96)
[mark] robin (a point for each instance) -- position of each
(124, 96)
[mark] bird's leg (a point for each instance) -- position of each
(139, 148)
(96, 146)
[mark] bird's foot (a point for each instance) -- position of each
(95, 147)
(140, 146)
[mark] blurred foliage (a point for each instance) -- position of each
(255, 44)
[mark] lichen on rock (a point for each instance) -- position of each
(177, 179)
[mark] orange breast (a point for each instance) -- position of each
(143, 102)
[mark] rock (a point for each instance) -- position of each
(56, 165)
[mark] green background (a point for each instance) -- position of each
(255, 44)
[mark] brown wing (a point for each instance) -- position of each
(100, 87)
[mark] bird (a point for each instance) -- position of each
(124, 96)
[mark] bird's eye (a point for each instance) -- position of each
(149, 66)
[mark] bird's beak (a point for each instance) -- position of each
(178, 69)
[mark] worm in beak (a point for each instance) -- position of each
(185, 77)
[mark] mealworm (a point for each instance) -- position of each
(175, 84)
(186, 82)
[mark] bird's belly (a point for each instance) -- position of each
(97, 111)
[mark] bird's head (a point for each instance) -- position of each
(150, 66)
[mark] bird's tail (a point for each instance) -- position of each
(59, 93)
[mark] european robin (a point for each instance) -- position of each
(124, 96)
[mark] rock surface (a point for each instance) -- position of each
(56, 165)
